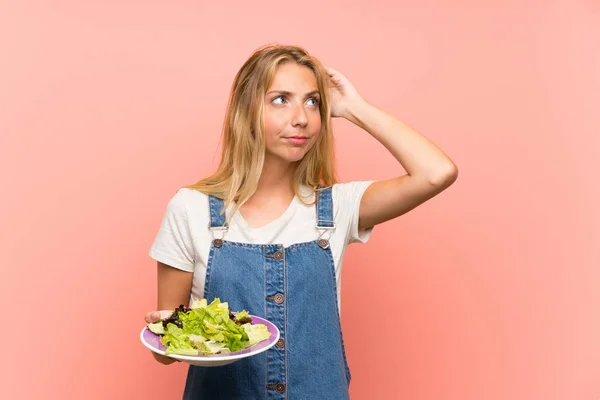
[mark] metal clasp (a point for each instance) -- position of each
(221, 229)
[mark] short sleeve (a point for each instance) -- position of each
(347, 198)
(173, 244)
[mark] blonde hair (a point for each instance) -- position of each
(243, 151)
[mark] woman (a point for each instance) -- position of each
(268, 230)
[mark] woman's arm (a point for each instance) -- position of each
(174, 287)
(429, 170)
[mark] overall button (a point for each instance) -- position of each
(280, 387)
(280, 343)
(218, 242)
(278, 255)
(278, 298)
(323, 243)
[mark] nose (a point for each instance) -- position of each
(300, 118)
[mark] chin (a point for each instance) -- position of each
(289, 156)
(294, 158)
(298, 155)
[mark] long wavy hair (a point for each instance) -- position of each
(243, 136)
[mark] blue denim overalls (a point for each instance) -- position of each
(295, 288)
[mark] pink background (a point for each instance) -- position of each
(489, 291)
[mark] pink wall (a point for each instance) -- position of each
(489, 291)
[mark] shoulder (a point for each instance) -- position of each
(346, 202)
(187, 201)
(190, 195)
(348, 193)
(350, 186)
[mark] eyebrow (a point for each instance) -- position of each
(285, 92)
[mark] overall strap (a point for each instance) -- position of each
(324, 208)
(217, 219)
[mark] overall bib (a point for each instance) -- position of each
(293, 287)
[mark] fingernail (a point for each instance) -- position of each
(155, 315)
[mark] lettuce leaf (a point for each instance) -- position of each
(208, 329)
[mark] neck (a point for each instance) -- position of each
(277, 177)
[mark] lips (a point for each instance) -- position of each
(297, 140)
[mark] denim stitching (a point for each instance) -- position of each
(285, 324)
(325, 208)
(265, 314)
(209, 263)
(337, 310)
(258, 247)
(217, 218)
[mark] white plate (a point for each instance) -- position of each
(152, 342)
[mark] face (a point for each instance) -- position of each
(291, 113)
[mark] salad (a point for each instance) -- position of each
(208, 329)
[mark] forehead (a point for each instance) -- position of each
(294, 78)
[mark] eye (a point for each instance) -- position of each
(315, 100)
(274, 101)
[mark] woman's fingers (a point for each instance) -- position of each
(152, 317)
(155, 316)
(164, 359)
(333, 73)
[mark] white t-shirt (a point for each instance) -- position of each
(183, 240)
